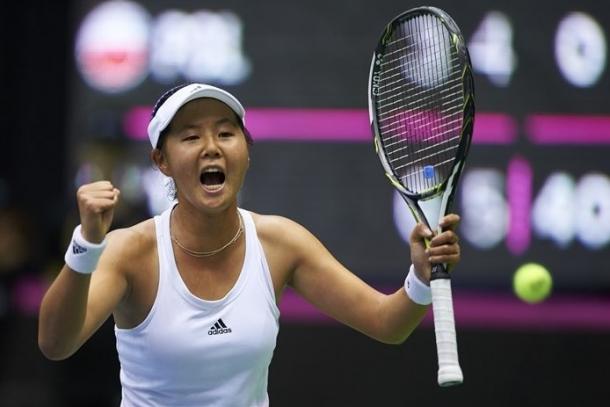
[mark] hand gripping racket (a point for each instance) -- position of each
(421, 106)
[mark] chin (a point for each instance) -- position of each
(217, 203)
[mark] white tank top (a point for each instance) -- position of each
(192, 352)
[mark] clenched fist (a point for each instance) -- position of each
(96, 203)
(443, 247)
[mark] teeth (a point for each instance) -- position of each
(212, 170)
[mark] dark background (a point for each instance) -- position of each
(315, 363)
(315, 55)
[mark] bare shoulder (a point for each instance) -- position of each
(286, 239)
(285, 244)
(132, 244)
(278, 230)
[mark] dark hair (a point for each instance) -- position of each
(164, 132)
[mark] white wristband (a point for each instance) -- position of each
(82, 256)
(416, 290)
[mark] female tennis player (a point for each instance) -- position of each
(193, 292)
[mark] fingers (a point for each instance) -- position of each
(449, 222)
(420, 232)
(447, 237)
(116, 195)
(444, 254)
(440, 248)
(444, 247)
(97, 197)
(96, 203)
(98, 185)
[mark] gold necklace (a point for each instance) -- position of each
(194, 253)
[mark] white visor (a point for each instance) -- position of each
(168, 109)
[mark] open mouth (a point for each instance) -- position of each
(212, 179)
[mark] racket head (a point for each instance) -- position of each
(421, 102)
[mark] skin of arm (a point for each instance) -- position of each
(76, 305)
(319, 278)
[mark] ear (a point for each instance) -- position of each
(158, 157)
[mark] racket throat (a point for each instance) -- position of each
(427, 211)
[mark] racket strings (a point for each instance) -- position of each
(420, 102)
(443, 89)
(419, 122)
(423, 157)
(446, 136)
(401, 51)
(444, 95)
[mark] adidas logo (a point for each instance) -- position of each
(78, 249)
(219, 328)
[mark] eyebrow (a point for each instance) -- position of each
(217, 123)
(225, 120)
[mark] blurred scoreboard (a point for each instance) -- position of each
(536, 187)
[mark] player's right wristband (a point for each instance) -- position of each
(82, 256)
(416, 290)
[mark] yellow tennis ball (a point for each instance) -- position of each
(532, 283)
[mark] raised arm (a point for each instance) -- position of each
(329, 286)
(78, 302)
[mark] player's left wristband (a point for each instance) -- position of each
(416, 290)
(82, 256)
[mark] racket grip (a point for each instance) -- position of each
(449, 371)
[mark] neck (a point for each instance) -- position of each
(199, 231)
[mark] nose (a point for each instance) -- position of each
(211, 149)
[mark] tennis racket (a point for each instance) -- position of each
(421, 106)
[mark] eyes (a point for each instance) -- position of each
(192, 137)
